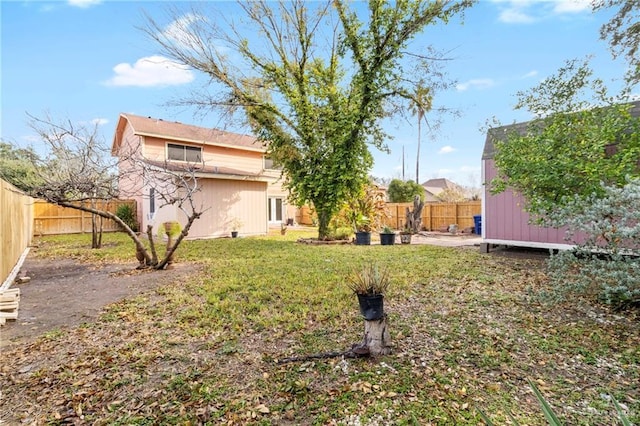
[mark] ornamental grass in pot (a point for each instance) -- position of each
(387, 236)
(370, 285)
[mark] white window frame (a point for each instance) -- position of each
(272, 209)
(185, 149)
(269, 164)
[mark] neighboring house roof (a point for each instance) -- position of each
(436, 186)
(155, 127)
(501, 133)
(429, 197)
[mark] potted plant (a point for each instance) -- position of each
(236, 224)
(363, 231)
(370, 285)
(405, 236)
(387, 236)
(365, 212)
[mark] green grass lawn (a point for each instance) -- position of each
(466, 329)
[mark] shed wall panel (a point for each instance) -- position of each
(504, 217)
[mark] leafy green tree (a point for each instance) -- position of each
(404, 192)
(17, 166)
(314, 86)
(622, 32)
(572, 147)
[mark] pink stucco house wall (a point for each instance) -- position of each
(504, 221)
(236, 180)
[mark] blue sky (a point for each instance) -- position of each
(85, 60)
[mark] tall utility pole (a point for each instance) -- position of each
(420, 114)
(403, 163)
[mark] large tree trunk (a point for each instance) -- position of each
(414, 217)
(323, 224)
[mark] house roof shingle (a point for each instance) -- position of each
(154, 127)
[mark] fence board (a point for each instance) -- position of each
(435, 216)
(16, 226)
(50, 219)
(305, 216)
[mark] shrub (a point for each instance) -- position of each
(607, 265)
(341, 233)
(403, 192)
(127, 213)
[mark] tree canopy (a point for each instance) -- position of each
(17, 166)
(582, 139)
(314, 85)
(622, 32)
(403, 192)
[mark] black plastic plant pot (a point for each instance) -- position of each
(371, 306)
(234, 234)
(363, 238)
(387, 239)
(405, 238)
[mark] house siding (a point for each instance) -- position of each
(240, 189)
(226, 200)
(275, 189)
(129, 184)
(247, 161)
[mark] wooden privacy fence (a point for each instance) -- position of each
(16, 226)
(436, 216)
(50, 219)
(305, 216)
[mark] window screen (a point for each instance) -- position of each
(191, 154)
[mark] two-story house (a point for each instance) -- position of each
(237, 182)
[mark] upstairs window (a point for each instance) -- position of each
(190, 154)
(270, 164)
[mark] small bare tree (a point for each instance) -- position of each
(78, 171)
(75, 166)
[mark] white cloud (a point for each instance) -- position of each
(528, 11)
(530, 74)
(479, 83)
(515, 16)
(99, 121)
(572, 6)
(84, 3)
(151, 71)
(446, 150)
(179, 30)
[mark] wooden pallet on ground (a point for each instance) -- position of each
(9, 304)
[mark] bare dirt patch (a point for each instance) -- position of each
(65, 293)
